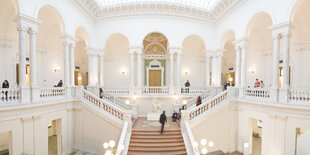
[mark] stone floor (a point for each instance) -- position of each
(143, 123)
(52, 145)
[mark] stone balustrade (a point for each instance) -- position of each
(9, 95)
(155, 91)
(52, 93)
(299, 95)
(257, 93)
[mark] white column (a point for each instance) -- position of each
(101, 70)
(178, 68)
(286, 53)
(33, 58)
(66, 64)
(139, 69)
(89, 68)
(132, 69)
(207, 70)
(219, 61)
(276, 49)
(171, 69)
(22, 56)
(243, 65)
(95, 70)
(237, 70)
(213, 78)
(72, 66)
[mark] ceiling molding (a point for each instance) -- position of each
(94, 10)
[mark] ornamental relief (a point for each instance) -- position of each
(155, 49)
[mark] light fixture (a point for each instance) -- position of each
(230, 79)
(204, 146)
(127, 102)
(252, 69)
(56, 69)
(108, 146)
(134, 98)
(79, 78)
(184, 104)
(176, 99)
(111, 143)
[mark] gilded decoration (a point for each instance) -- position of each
(155, 43)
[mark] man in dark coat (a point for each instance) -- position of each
(162, 120)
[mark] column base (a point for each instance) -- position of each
(274, 94)
(171, 90)
(241, 92)
(25, 94)
(284, 94)
(35, 94)
(68, 92)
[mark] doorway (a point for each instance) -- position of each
(27, 74)
(281, 76)
(6, 143)
(230, 79)
(155, 78)
(54, 137)
(255, 136)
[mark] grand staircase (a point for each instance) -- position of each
(147, 142)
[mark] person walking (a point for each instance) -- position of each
(162, 120)
(198, 101)
(5, 84)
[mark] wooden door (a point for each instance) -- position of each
(155, 78)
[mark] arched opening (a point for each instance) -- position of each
(80, 57)
(300, 42)
(9, 42)
(50, 63)
(193, 61)
(117, 62)
(229, 58)
(155, 53)
(259, 51)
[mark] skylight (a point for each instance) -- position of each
(203, 4)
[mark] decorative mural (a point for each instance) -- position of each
(155, 43)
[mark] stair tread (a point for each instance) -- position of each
(156, 145)
(155, 140)
(158, 153)
(162, 149)
(157, 134)
(156, 137)
(152, 130)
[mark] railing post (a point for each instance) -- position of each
(274, 94)
(284, 95)
(35, 94)
(25, 94)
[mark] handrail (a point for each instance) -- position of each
(124, 91)
(257, 93)
(207, 106)
(123, 143)
(105, 106)
(189, 140)
(115, 100)
(47, 93)
(155, 90)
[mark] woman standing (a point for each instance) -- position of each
(5, 84)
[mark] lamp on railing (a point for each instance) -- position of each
(184, 104)
(203, 148)
(109, 147)
(176, 97)
(127, 104)
(134, 97)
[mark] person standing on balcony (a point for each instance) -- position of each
(187, 84)
(256, 84)
(262, 85)
(59, 84)
(162, 120)
(5, 84)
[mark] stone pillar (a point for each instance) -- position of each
(101, 69)
(171, 75)
(208, 70)
(33, 58)
(237, 69)
(22, 56)
(66, 64)
(219, 74)
(243, 65)
(178, 68)
(89, 53)
(72, 66)
(132, 69)
(214, 72)
(275, 70)
(28, 132)
(286, 65)
(95, 70)
(139, 69)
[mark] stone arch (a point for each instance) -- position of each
(81, 34)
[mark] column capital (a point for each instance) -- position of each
(135, 49)
(90, 51)
(24, 21)
(241, 43)
(175, 49)
(282, 29)
(68, 39)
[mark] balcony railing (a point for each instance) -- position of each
(155, 90)
(299, 95)
(9, 95)
(52, 93)
(257, 93)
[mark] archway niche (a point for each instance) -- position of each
(50, 55)
(9, 42)
(229, 58)
(300, 45)
(117, 62)
(81, 57)
(155, 60)
(259, 51)
(193, 61)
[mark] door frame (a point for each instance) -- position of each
(150, 67)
